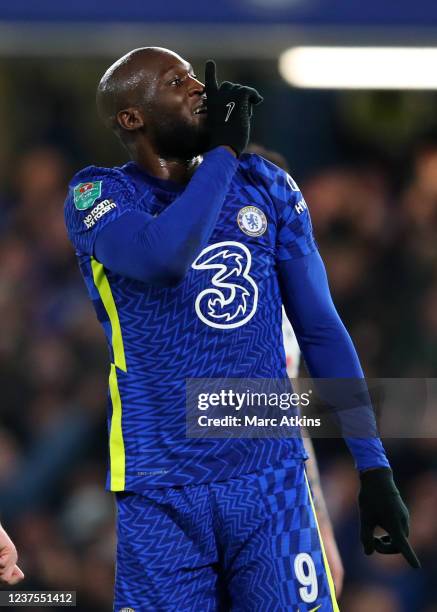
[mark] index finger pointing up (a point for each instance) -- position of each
(211, 84)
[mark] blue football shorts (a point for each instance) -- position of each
(250, 543)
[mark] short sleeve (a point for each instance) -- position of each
(96, 196)
(295, 237)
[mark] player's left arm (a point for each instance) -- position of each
(329, 353)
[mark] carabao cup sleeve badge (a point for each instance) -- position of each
(252, 221)
(85, 194)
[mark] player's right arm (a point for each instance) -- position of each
(131, 242)
(10, 573)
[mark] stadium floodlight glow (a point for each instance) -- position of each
(360, 67)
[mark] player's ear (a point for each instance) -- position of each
(130, 119)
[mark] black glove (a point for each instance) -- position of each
(381, 505)
(229, 111)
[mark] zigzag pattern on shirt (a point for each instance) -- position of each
(165, 341)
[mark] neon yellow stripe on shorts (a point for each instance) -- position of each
(335, 607)
(102, 284)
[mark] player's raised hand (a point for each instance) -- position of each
(381, 505)
(10, 573)
(229, 110)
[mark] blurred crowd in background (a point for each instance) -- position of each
(376, 226)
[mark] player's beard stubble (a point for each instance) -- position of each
(175, 138)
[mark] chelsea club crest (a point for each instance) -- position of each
(252, 221)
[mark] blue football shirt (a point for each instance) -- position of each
(223, 320)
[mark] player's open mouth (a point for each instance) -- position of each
(200, 110)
